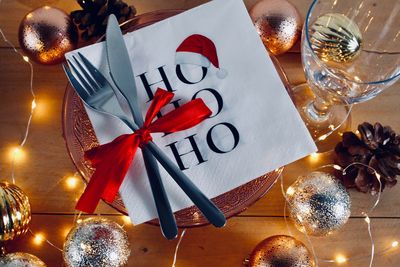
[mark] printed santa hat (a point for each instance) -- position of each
(199, 50)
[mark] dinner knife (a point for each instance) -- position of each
(122, 74)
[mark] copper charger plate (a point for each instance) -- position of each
(80, 136)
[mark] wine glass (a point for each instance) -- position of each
(350, 53)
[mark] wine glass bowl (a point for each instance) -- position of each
(350, 53)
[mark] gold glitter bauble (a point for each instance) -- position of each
(21, 259)
(281, 251)
(46, 34)
(278, 23)
(96, 241)
(318, 203)
(15, 212)
(335, 37)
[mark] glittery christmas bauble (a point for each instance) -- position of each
(318, 203)
(279, 24)
(15, 211)
(281, 251)
(46, 34)
(21, 259)
(96, 242)
(335, 37)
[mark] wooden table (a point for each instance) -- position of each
(43, 172)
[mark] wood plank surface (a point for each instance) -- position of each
(46, 165)
(229, 246)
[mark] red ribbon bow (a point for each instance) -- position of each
(113, 160)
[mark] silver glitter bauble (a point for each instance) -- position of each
(280, 251)
(318, 203)
(96, 242)
(21, 259)
(335, 37)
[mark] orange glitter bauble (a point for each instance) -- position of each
(278, 23)
(46, 34)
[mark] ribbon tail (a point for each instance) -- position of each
(120, 170)
(92, 194)
(112, 162)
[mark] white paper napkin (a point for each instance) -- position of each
(255, 104)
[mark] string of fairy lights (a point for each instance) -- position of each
(72, 182)
(340, 258)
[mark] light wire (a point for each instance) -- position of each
(77, 216)
(365, 214)
(29, 122)
(177, 247)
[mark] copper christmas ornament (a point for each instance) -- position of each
(281, 251)
(335, 37)
(15, 212)
(318, 203)
(279, 24)
(46, 34)
(21, 259)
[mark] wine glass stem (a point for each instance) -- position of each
(318, 110)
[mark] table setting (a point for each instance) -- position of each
(226, 132)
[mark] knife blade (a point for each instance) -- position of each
(122, 74)
(120, 67)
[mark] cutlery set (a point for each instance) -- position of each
(95, 90)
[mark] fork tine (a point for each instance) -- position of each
(88, 77)
(93, 70)
(75, 83)
(87, 86)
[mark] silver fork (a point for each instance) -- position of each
(95, 92)
(205, 205)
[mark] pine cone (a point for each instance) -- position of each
(377, 147)
(92, 19)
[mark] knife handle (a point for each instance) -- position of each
(206, 206)
(165, 215)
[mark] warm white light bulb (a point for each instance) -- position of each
(314, 157)
(17, 151)
(126, 219)
(323, 137)
(71, 182)
(17, 154)
(395, 244)
(290, 191)
(340, 259)
(337, 167)
(38, 239)
(33, 106)
(26, 59)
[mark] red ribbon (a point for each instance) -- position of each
(113, 160)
